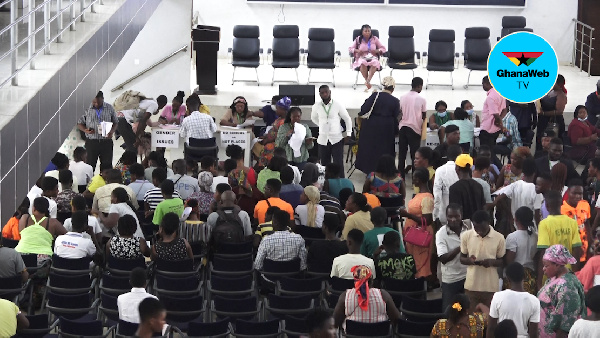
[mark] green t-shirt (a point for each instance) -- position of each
(466, 127)
(371, 241)
(170, 205)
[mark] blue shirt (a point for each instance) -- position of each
(512, 126)
(269, 115)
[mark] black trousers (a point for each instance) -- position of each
(407, 138)
(126, 131)
(543, 121)
(488, 139)
(332, 151)
(102, 149)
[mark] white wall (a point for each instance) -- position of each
(549, 18)
(167, 30)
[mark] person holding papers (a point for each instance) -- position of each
(295, 137)
(98, 142)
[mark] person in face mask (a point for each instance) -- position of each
(583, 136)
(440, 116)
(468, 107)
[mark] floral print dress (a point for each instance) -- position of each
(562, 302)
(267, 152)
(471, 326)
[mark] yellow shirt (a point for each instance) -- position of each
(96, 182)
(360, 220)
(558, 229)
(492, 246)
(8, 318)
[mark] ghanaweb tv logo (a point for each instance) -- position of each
(523, 58)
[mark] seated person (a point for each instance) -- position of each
(360, 215)
(171, 247)
(72, 244)
(97, 181)
(385, 181)
(125, 245)
(61, 162)
(186, 185)
(11, 263)
(320, 324)
(120, 207)
(102, 197)
(322, 253)
(228, 211)
(237, 113)
(64, 197)
(290, 192)
(583, 136)
(310, 213)
(11, 228)
(228, 166)
(205, 196)
(13, 319)
(333, 182)
(364, 303)
(221, 188)
(440, 117)
(272, 188)
(342, 265)
(465, 126)
(78, 204)
(139, 184)
(373, 238)
(547, 135)
(129, 302)
(272, 171)
(190, 228)
(156, 160)
(49, 191)
(266, 228)
(282, 245)
(452, 133)
(169, 204)
(392, 263)
(460, 322)
(155, 196)
(198, 125)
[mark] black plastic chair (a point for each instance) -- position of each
(286, 49)
(9, 243)
(419, 310)
(246, 50)
(38, 327)
(416, 288)
(182, 310)
(234, 250)
(294, 327)
(217, 329)
(392, 206)
(310, 234)
(242, 286)
(89, 329)
(68, 266)
(114, 285)
(180, 268)
(314, 287)
(12, 287)
(279, 306)
(335, 287)
(121, 266)
(477, 49)
(273, 270)
(408, 329)
(401, 49)
(246, 329)
(231, 267)
(244, 308)
(512, 22)
(440, 54)
(357, 329)
(109, 308)
(355, 34)
(321, 51)
(180, 286)
(198, 148)
(71, 306)
(126, 329)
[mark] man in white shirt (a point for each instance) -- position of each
(102, 197)
(197, 125)
(186, 185)
(139, 184)
(447, 242)
(72, 244)
(79, 204)
(445, 177)
(327, 115)
(129, 302)
(141, 114)
(49, 187)
(522, 192)
(343, 264)
(515, 304)
(82, 172)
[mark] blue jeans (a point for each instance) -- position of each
(450, 290)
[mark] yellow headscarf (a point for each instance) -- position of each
(311, 206)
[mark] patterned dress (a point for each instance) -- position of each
(562, 302)
(171, 251)
(243, 178)
(385, 188)
(125, 248)
(421, 204)
(267, 152)
(472, 326)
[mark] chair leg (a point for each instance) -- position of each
(297, 79)
(468, 79)
(427, 83)
(451, 81)
(257, 81)
(380, 85)
(333, 77)
(233, 76)
(273, 77)
(413, 73)
(355, 81)
(308, 80)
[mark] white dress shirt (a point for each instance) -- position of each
(330, 128)
(445, 176)
(198, 125)
(129, 302)
(82, 172)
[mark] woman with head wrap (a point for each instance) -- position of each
(378, 123)
(309, 213)
(562, 298)
(363, 303)
(264, 149)
(204, 196)
(461, 323)
(237, 113)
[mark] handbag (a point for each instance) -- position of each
(418, 235)
(366, 116)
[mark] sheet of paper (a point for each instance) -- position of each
(297, 139)
(106, 127)
(247, 123)
(268, 128)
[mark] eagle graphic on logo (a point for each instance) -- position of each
(522, 58)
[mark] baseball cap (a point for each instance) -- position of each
(463, 159)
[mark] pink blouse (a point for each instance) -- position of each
(363, 47)
(167, 113)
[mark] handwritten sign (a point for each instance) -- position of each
(238, 137)
(165, 138)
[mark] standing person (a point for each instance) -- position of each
(327, 115)
(466, 191)
(447, 243)
(152, 318)
(197, 125)
(515, 304)
(491, 122)
(552, 108)
(419, 214)
(590, 327)
(184, 184)
(286, 132)
(265, 148)
(546, 136)
(511, 137)
(555, 156)
(140, 115)
(174, 113)
(577, 208)
(237, 113)
(82, 171)
(320, 324)
(592, 103)
(482, 249)
(583, 136)
(481, 167)
(452, 133)
(445, 177)
(270, 112)
(521, 247)
(98, 146)
(562, 299)
(522, 192)
(526, 115)
(367, 49)
(413, 110)
(426, 158)
(465, 126)
(543, 183)
(372, 239)
(377, 130)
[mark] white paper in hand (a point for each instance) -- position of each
(106, 127)
(297, 139)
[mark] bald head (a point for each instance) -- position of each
(228, 198)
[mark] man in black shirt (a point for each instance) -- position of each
(393, 264)
(452, 137)
(466, 191)
(322, 253)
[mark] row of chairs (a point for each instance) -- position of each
(401, 55)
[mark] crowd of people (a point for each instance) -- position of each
(511, 246)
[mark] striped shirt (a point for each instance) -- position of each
(375, 313)
(91, 121)
(154, 196)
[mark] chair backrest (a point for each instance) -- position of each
(240, 283)
(30, 260)
(9, 243)
(186, 304)
(246, 43)
(251, 328)
(217, 328)
(69, 282)
(242, 248)
(199, 148)
(357, 32)
(69, 306)
(113, 282)
(514, 30)
(401, 44)
(309, 232)
(409, 285)
(11, 283)
(177, 284)
(380, 329)
(296, 325)
(477, 44)
(127, 328)
(441, 46)
(286, 45)
(109, 301)
(512, 22)
(79, 264)
(125, 265)
(202, 142)
(184, 265)
(81, 328)
(411, 329)
(340, 284)
(235, 305)
(300, 285)
(281, 266)
(321, 47)
(289, 302)
(232, 264)
(392, 201)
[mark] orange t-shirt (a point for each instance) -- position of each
(372, 200)
(581, 213)
(11, 229)
(261, 208)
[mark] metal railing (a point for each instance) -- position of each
(582, 42)
(32, 30)
(122, 84)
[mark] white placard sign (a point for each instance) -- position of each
(238, 137)
(165, 138)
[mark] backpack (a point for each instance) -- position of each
(229, 228)
(130, 99)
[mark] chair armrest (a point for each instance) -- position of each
(424, 54)
(302, 51)
(260, 51)
(54, 325)
(229, 50)
(418, 54)
(338, 53)
(269, 50)
(386, 54)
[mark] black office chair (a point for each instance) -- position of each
(246, 50)
(357, 329)
(514, 30)
(286, 49)
(217, 329)
(509, 22)
(9, 243)
(419, 310)
(321, 51)
(198, 148)
(477, 49)
(401, 49)
(440, 54)
(355, 34)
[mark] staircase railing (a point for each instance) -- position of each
(582, 45)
